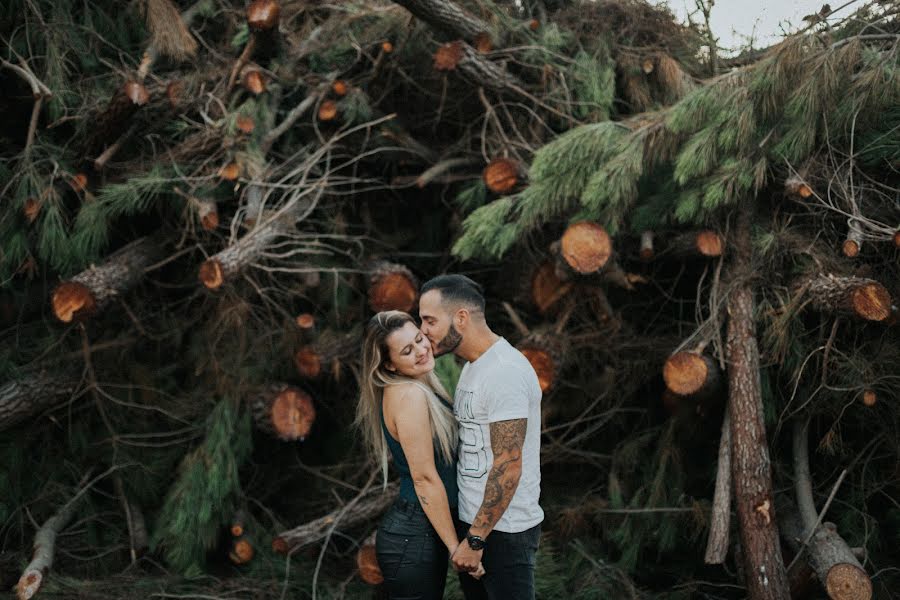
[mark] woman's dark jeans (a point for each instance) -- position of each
(508, 561)
(412, 557)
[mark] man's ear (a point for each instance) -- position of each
(462, 318)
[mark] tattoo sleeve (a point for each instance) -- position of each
(507, 439)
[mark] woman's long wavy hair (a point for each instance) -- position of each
(376, 377)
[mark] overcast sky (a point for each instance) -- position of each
(733, 21)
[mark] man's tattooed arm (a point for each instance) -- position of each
(507, 439)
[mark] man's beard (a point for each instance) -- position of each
(450, 342)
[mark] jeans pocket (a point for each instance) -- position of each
(390, 549)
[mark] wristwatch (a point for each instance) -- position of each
(475, 542)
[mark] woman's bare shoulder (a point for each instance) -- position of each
(407, 391)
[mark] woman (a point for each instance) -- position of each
(404, 410)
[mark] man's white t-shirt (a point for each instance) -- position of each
(498, 386)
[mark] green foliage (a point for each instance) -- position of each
(594, 85)
(472, 196)
(488, 231)
(205, 491)
(131, 197)
(448, 371)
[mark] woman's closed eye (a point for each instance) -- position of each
(408, 349)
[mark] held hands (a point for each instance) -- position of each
(464, 559)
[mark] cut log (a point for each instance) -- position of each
(367, 561)
(245, 124)
(687, 373)
(448, 55)
(586, 247)
(751, 468)
(830, 556)
(328, 110)
(796, 186)
(284, 412)
(43, 550)
(339, 87)
(230, 171)
(392, 287)
(547, 289)
(501, 175)
(241, 551)
(35, 392)
(327, 354)
(709, 243)
(387, 47)
(646, 252)
(109, 125)
(239, 523)
(869, 398)
(365, 510)
(543, 364)
(263, 15)
(447, 17)
(853, 243)
(91, 290)
(897, 238)
(306, 321)
(224, 265)
(853, 296)
(253, 80)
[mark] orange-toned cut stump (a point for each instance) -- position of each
(306, 321)
(79, 182)
(241, 551)
(339, 87)
(586, 246)
(686, 373)
(897, 239)
(328, 110)
(254, 81)
(850, 248)
(280, 546)
(230, 171)
(846, 581)
(647, 251)
(546, 288)
(393, 289)
(869, 398)
(211, 274)
(72, 300)
(31, 209)
(245, 123)
(501, 175)
(448, 56)
(263, 15)
(292, 415)
(367, 564)
(387, 47)
(871, 302)
(709, 243)
(308, 363)
(534, 24)
(483, 42)
(137, 93)
(543, 364)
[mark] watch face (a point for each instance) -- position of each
(475, 542)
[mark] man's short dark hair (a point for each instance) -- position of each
(457, 289)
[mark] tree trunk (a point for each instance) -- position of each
(366, 509)
(853, 296)
(32, 394)
(831, 558)
(751, 468)
(42, 557)
(91, 290)
(447, 17)
(720, 521)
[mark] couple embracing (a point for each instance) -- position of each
(469, 466)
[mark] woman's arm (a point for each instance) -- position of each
(406, 408)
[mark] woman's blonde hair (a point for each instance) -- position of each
(376, 377)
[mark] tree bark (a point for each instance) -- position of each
(91, 290)
(367, 509)
(42, 557)
(853, 296)
(32, 394)
(720, 521)
(834, 562)
(751, 467)
(447, 17)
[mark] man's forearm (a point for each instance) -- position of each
(502, 481)
(507, 439)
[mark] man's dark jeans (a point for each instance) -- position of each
(412, 557)
(508, 564)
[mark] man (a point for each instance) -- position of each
(498, 406)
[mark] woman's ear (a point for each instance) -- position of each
(390, 367)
